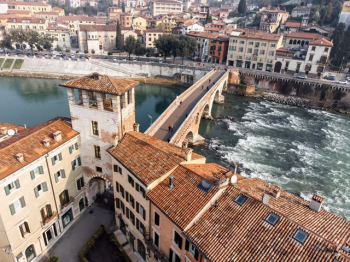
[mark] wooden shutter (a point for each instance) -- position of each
(66, 195)
(42, 214)
(76, 146)
(137, 224)
(127, 212)
(36, 192)
(23, 203)
(187, 245)
(7, 190)
(137, 207)
(59, 156)
(41, 170)
(78, 184)
(12, 209)
(56, 177)
(157, 219)
(116, 186)
(79, 161)
(63, 173)
(27, 226)
(17, 183)
(127, 196)
(49, 210)
(21, 229)
(70, 149)
(44, 185)
(144, 214)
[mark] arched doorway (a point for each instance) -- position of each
(206, 112)
(30, 253)
(189, 137)
(141, 249)
(81, 204)
(278, 67)
(97, 187)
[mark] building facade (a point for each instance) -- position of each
(150, 36)
(163, 7)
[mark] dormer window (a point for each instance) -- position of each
(240, 199)
(300, 236)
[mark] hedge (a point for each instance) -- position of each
(90, 244)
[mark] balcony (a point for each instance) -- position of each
(321, 62)
(68, 204)
(161, 257)
(47, 221)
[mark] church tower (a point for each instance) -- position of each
(102, 109)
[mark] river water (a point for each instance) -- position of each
(302, 150)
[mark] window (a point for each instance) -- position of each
(240, 199)
(300, 236)
(98, 169)
(94, 126)
(46, 212)
(240, 49)
(15, 206)
(263, 44)
(271, 53)
(173, 257)
(64, 197)
(311, 57)
(117, 169)
(131, 216)
(156, 219)
(141, 210)
(130, 199)
(192, 250)
(326, 49)
(40, 188)
(250, 43)
(273, 45)
(80, 183)
(257, 44)
(11, 187)
(313, 48)
(272, 219)
(75, 163)
(140, 227)
(262, 52)
(131, 181)
(156, 239)
(141, 190)
(177, 240)
(241, 42)
(250, 50)
(24, 229)
(73, 148)
(60, 174)
(56, 159)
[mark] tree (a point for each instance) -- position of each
(140, 50)
(46, 42)
(93, 51)
(6, 42)
(119, 38)
(337, 37)
(164, 44)
(327, 13)
(175, 49)
(130, 44)
(208, 18)
(123, 7)
(86, 51)
(150, 51)
(186, 46)
(110, 53)
(77, 51)
(33, 38)
(58, 48)
(18, 36)
(242, 7)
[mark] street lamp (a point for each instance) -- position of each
(151, 119)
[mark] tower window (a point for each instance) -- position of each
(94, 126)
(97, 152)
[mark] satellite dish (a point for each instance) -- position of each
(10, 132)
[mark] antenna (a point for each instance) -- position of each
(10, 132)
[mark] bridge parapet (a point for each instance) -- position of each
(187, 125)
(160, 120)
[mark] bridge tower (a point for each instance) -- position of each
(102, 109)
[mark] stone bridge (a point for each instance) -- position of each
(186, 111)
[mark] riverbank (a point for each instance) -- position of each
(163, 81)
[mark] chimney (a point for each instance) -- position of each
(276, 191)
(46, 142)
(216, 203)
(115, 141)
(25, 126)
(171, 182)
(19, 157)
(184, 145)
(266, 199)
(316, 202)
(57, 136)
(136, 127)
(188, 153)
(233, 168)
(95, 76)
(4, 130)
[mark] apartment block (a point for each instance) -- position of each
(253, 49)
(37, 24)
(33, 7)
(163, 7)
(43, 189)
(150, 36)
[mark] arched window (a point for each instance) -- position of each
(30, 253)
(290, 41)
(294, 42)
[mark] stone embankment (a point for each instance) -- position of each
(36, 75)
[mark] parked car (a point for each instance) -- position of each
(114, 59)
(98, 57)
(72, 55)
(2, 51)
(46, 55)
(63, 55)
(123, 59)
(53, 55)
(134, 59)
(36, 54)
(330, 77)
(348, 78)
(81, 56)
(343, 82)
(302, 77)
(151, 60)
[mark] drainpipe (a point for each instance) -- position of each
(53, 191)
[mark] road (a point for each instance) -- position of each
(179, 114)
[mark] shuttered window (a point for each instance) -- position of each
(73, 148)
(37, 171)
(76, 162)
(55, 159)
(80, 183)
(18, 204)
(60, 174)
(24, 229)
(40, 188)
(11, 187)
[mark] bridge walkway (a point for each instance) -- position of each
(179, 114)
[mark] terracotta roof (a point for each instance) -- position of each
(177, 203)
(240, 233)
(77, 18)
(148, 158)
(52, 26)
(304, 35)
(46, 13)
(57, 8)
(259, 35)
(11, 11)
(203, 34)
(155, 30)
(30, 19)
(29, 142)
(322, 42)
(166, 1)
(101, 83)
(212, 29)
(8, 127)
(24, 3)
(293, 24)
(84, 27)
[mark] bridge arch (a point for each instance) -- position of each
(189, 137)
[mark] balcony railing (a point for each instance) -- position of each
(48, 219)
(161, 257)
(71, 200)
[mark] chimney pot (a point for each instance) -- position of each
(276, 191)
(171, 182)
(266, 199)
(233, 167)
(216, 203)
(19, 157)
(57, 136)
(188, 153)
(4, 130)
(115, 141)
(136, 127)
(46, 142)
(184, 145)
(316, 202)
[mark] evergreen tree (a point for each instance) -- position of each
(242, 7)
(208, 18)
(327, 13)
(123, 7)
(130, 44)
(140, 50)
(164, 44)
(119, 38)
(338, 38)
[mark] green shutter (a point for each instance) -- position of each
(36, 192)
(53, 161)
(60, 156)
(32, 175)
(79, 161)
(73, 165)
(41, 170)
(78, 185)
(76, 146)
(63, 173)
(70, 149)
(12, 209)
(7, 190)
(44, 185)
(23, 203)
(17, 183)
(56, 177)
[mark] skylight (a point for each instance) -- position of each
(301, 236)
(204, 185)
(272, 219)
(240, 199)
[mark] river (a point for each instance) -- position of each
(302, 150)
